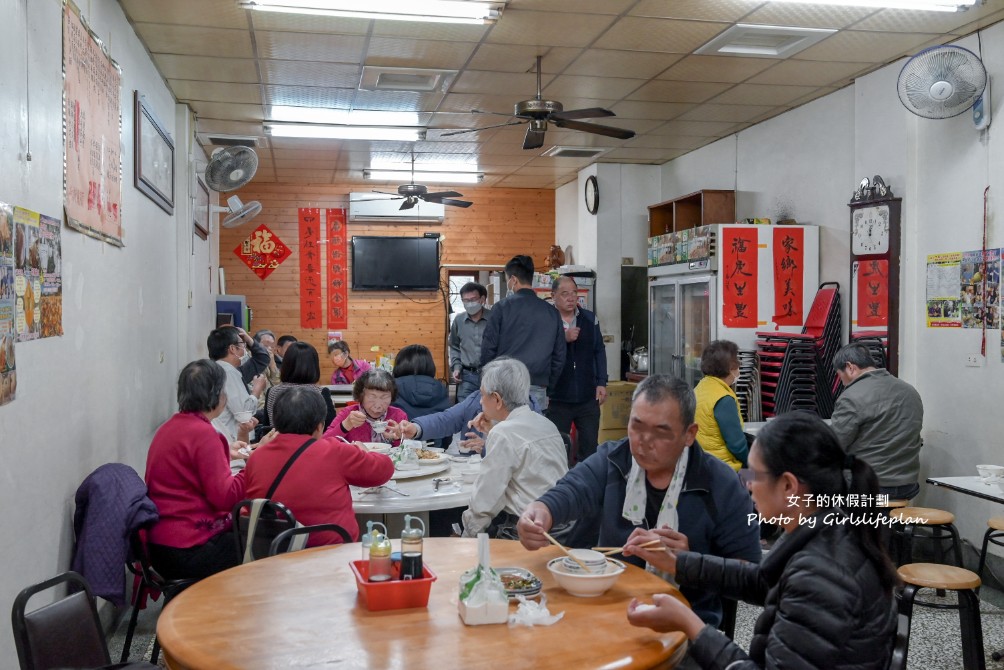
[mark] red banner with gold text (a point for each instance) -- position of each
(338, 285)
(873, 293)
(740, 275)
(311, 306)
(789, 276)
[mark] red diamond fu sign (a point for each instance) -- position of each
(262, 251)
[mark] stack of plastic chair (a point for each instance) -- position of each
(748, 386)
(797, 368)
(877, 343)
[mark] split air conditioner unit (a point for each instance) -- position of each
(377, 207)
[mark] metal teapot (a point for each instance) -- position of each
(639, 360)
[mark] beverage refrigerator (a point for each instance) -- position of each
(726, 282)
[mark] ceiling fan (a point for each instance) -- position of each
(539, 112)
(412, 193)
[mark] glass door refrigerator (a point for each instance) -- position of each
(727, 282)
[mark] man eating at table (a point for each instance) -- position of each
(657, 477)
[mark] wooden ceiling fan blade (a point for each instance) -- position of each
(474, 130)
(439, 195)
(485, 111)
(408, 203)
(534, 138)
(587, 113)
(595, 128)
(456, 203)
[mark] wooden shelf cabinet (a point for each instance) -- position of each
(690, 211)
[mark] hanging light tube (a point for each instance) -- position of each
(435, 11)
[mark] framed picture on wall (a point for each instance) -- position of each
(154, 157)
(200, 212)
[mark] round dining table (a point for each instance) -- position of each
(301, 610)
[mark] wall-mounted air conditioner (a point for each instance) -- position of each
(376, 207)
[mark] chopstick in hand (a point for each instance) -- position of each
(610, 551)
(567, 553)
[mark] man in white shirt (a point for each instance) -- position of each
(526, 454)
(227, 346)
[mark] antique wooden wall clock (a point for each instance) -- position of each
(875, 266)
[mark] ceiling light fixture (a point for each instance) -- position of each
(928, 5)
(435, 11)
(420, 176)
(345, 132)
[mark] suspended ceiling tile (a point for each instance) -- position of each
(448, 149)
(678, 91)
(906, 21)
(734, 113)
(851, 46)
(215, 126)
(717, 68)
(487, 83)
(195, 41)
(586, 6)
(650, 110)
(442, 121)
(807, 15)
(567, 86)
(517, 181)
(704, 129)
(249, 94)
(308, 154)
(973, 26)
(465, 102)
(610, 63)
(568, 163)
(306, 23)
(551, 28)
(654, 154)
(516, 58)
(496, 163)
(304, 163)
(221, 110)
(310, 46)
(699, 10)
(310, 73)
(760, 94)
(397, 101)
(658, 35)
(686, 143)
(185, 12)
(237, 70)
(442, 32)
(808, 73)
(427, 54)
(300, 174)
(310, 96)
(815, 94)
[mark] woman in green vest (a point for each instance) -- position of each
(720, 425)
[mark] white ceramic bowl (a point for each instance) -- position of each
(594, 560)
(990, 474)
(377, 447)
(582, 584)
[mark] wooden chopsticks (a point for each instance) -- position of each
(610, 551)
(567, 553)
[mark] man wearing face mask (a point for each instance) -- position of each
(466, 334)
(720, 425)
(524, 327)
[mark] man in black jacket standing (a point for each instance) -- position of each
(582, 386)
(526, 328)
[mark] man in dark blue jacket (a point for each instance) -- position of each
(659, 477)
(582, 386)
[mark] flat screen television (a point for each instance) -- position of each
(395, 263)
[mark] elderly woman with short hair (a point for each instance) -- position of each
(525, 452)
(720, 423)
(188, 477)
(373, 392)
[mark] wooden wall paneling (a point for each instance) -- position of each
(501, 224)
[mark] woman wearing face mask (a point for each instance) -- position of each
(720, 425)
(347, 369)
(371, 418)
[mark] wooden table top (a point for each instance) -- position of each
(300, 610)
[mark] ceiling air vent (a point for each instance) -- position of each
(744, 39)
(221, 140)
(574, 152)
(405, 79)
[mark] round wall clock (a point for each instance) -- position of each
(592, 193)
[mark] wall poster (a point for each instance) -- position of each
(92, 132)
(311, 304)
(943, 272)
(979, 295)
(338, 285)
(27, 275)
(8, 369)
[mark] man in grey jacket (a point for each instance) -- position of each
(878, 418)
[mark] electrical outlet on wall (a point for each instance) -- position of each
(975, 360)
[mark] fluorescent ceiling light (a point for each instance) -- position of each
(929, 5)
(436, 11)
(345, 132)
(423, 177)
(289, 114)
(378, 163)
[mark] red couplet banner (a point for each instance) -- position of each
(873, 293)
(338, 285)
(789, 276)
(311, 305)
(740, 275)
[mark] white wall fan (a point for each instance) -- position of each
(238, 213)
(946, 81)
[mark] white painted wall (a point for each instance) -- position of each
(98, 393)
(806, 164)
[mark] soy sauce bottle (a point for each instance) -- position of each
(380, 563)
(411, 548)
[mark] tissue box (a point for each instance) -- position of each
(493, 612)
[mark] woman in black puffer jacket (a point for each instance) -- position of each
(827, 585)
(418, 391)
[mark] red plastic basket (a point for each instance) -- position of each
(395, 594)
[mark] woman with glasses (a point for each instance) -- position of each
(720, 424)
(826, 586)
(347, 369)
(371, 418)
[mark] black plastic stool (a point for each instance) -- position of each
(994, 535)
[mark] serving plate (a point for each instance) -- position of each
(420, 472)
(440, 458)
(528, 591)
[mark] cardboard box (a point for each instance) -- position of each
(615, 411)
(611, 434)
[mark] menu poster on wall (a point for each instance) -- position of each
(8, 371)
(943, 277)
(338, 285)
(92, 129)
(979, 295)
(27, 275)
(50, 249)
(311, 305)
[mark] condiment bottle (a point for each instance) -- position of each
(411, 548)
(367, 537)
(380, 558)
